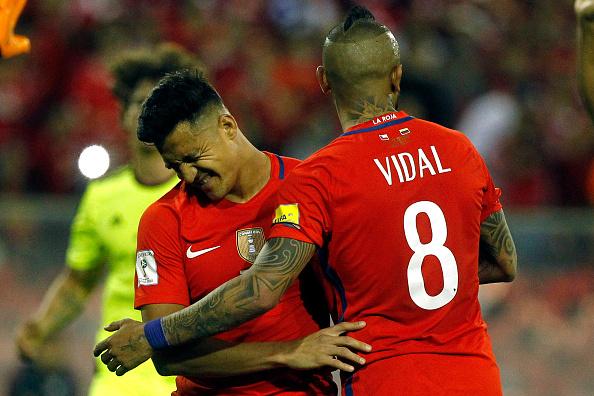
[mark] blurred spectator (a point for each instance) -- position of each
(501, 71)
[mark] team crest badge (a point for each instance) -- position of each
(249, 243)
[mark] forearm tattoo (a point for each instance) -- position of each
(242, 298)
(497, 244)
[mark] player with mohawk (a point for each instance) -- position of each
(408, 223)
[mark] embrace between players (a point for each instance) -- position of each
(400, 262)
(390, 228)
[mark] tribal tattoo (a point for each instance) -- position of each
(498, 260)
(243, 298)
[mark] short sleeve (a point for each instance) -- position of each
(160, 275)
(85, 248)
(491, 194)
(303, 206)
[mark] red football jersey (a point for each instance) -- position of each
(395, 206)
(187, 247)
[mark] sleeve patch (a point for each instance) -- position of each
(287, 214)
(146, 268)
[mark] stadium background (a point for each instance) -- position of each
(502, 71)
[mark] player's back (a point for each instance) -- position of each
(404, 199)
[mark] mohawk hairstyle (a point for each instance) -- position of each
(358, 53)
(355, 14)
(180, 96)
(149, 64)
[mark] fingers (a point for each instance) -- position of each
(113, 364)
(345, 327)
(343, 353)
(337, 364)
(353, 344)
(113, 326)
(101, 346)
(106, 357)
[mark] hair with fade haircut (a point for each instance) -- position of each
(151, 64)
(180, 96)
(358, 51)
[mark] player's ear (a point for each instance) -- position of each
(396, 77)
(228, 126)
(323, 80)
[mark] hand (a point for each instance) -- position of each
(584, 9)
(30, 341)
(126, 348)
(328, 347)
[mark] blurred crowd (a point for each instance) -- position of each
(543, 333)
(501, 71)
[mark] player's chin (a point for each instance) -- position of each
(213, 192)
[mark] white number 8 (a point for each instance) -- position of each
(416, 283)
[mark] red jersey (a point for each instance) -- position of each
(187, 247)
(395, 204)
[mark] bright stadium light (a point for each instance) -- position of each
(93, 161)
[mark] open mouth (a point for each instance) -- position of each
(204, 178)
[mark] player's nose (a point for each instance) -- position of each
(187, 173)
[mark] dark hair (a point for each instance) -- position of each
(148, 64)
(355, 14)
(180, 96)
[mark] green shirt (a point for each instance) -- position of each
(104, 233)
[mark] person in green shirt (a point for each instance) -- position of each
(103, 234)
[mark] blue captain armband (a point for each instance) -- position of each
(153, 331)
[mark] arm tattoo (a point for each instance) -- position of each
(497, 247)
(243, 298)
(368, 108)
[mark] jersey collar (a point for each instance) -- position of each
(385, 120)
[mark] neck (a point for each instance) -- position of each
(149, 168)
(253, 175)
(352, 112)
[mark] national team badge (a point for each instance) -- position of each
(249, 243)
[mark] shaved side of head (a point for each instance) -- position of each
(359, 55)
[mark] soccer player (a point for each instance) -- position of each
(104, 230)
(400, 209)
(585, 14)
(209, 229)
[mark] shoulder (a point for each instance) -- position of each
(167, 207)
(436, 130)
(111, 184)
(288, 162)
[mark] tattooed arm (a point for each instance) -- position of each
(498, 261)
(254, 292)
(243, 298)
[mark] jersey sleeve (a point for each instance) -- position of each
(491, 203)
(85, 249)
(303, 210)
(160, 275)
